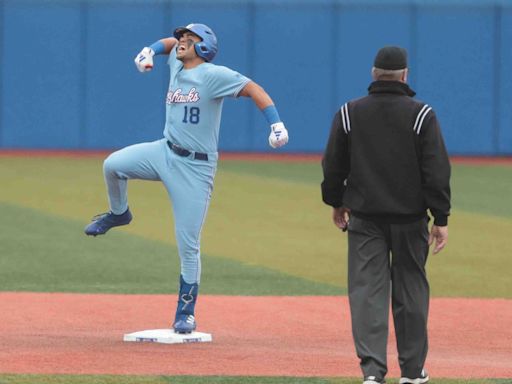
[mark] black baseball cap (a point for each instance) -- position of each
(391, 58)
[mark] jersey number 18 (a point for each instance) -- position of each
(191, 115)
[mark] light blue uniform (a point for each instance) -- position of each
(193, 113)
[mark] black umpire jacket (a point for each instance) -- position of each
(386, 159)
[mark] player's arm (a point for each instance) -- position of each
(278, 133)
(144, 60)
(257, 94)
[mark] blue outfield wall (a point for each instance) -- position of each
(67, 78)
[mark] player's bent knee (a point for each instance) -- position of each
(112, 165)
(108, 166)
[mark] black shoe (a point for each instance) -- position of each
(373, 380)
(418, 380)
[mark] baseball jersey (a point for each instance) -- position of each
(194, 103)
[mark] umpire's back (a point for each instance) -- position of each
(386, 154)
(385, 176)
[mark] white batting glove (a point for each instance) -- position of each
(144, 60)
(278, 135)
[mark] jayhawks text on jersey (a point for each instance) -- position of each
(178, 96)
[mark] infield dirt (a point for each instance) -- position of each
(252, 336)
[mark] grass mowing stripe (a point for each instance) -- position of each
(46, 253)
(482, 189)
(277, 224)
(300, 172)
(110, 379)
(476, 261)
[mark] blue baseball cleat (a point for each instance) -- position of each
(185, 322)
(103, 222)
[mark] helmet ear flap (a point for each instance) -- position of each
(201, 50)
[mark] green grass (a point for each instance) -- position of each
(41, 252)
(300, 172)
(103, 379)
(267, 232)
(107, 379)
(483, 189)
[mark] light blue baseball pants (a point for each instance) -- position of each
(188, 181)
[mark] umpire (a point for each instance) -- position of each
(385, 166)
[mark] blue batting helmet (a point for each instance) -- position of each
(207, 48)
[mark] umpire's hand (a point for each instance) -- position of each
(440, 236)
(340, 217)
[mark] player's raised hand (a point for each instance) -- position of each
(144, 60)
(278, 135)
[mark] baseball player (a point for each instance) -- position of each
(185, 160)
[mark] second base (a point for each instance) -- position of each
(167, 336)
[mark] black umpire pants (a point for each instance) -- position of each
(388, 260)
